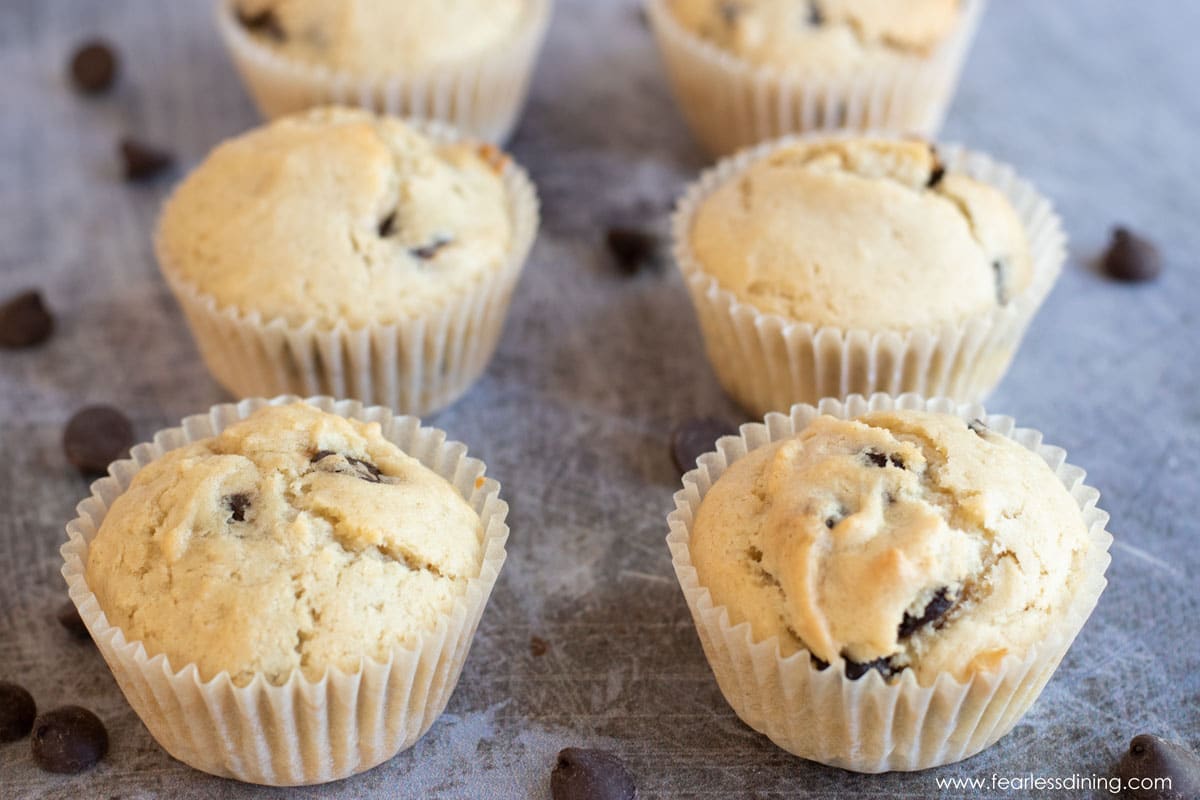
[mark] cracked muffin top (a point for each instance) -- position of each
(897, 540)
(338, 214)
(368, 37)
(863, 234)
(295, 539)
(821, 34)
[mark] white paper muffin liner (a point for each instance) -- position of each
(483, 95)
(415, 366)
(730, 103)
(768, 362)
(870, 725)
(303, 731)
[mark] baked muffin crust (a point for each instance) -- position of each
(897, 540)
(294, 540)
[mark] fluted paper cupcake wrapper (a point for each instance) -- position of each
(768, 362)
(730, 103)
(483, 95)
(870, 725)
(414, 366)
(303, 731)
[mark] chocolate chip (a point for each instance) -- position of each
(426, 252)
(694, 438)
(68, 740)
(998, 276)
(538, 646)
(633, 249)
(17, 712)
(584, 774)
(978, 427)
(935, 175)
(95, 437)
(24, 320)
(815, 17)
(329, 461)
(93, 67)
(143, 161)
(264, 23)
(831, 522)
(855, 669)
(880, 459)
(1131, 257)
(68, 616)
(1150, 757)
(238, 503)
(729, 12)
(935, 609)
(387, 225)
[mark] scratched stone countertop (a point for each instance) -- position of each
(1094, 100)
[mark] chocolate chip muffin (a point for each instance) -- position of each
(862, 233)
(823, 266)
(294, 541)
(824, 35)
(900, 540)
(463, 61)
(348, 253)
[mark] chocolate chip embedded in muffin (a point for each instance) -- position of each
(95, 437)
(17, 712)
(586, 774)
(1154, 758)
(880, 459)
(264, 23)
(329, 461)
(68, 740)
(884, 666)
(93, 67)
(934, 610)
(25, 320)
(238, 503)
(815, 17)
(1131, 257)
(430, 251)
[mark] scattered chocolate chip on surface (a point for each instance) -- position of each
(24, 320)
(68, 616)
(695, 437)
(538, 646)
(142, 161)
(1131, 257)
(17, 712)
(68, 740)
(94, 67)
(587, 774)
(95, 437)
(633, 249)
(1153, 757)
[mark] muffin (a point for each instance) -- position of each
(888, 584)
(285, 591)
(745, 71)
(821, 267)
(347, 253)
(466, 62)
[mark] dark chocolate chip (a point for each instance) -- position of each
(819, 664)
(729, 11)
(238, 503)
(935, 609)
(143, 161)
(633, 249)
(68, 616)
(24, 320)
(584, 774)
(935, 175)
(815, 17)
(356, 467)
(1150, 757)
(754, 554)
(429, 251)
(68, 740)
(17, 712)
(978, 427)
(998, 276)
(93, 67)
(538, 646)
(880, 459)
(387, 224)
(1131, 257)
(264, 23)
(95, 437)
(839, 515)
(694, 438)
(855, 669)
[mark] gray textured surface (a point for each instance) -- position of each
(1094, 100)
